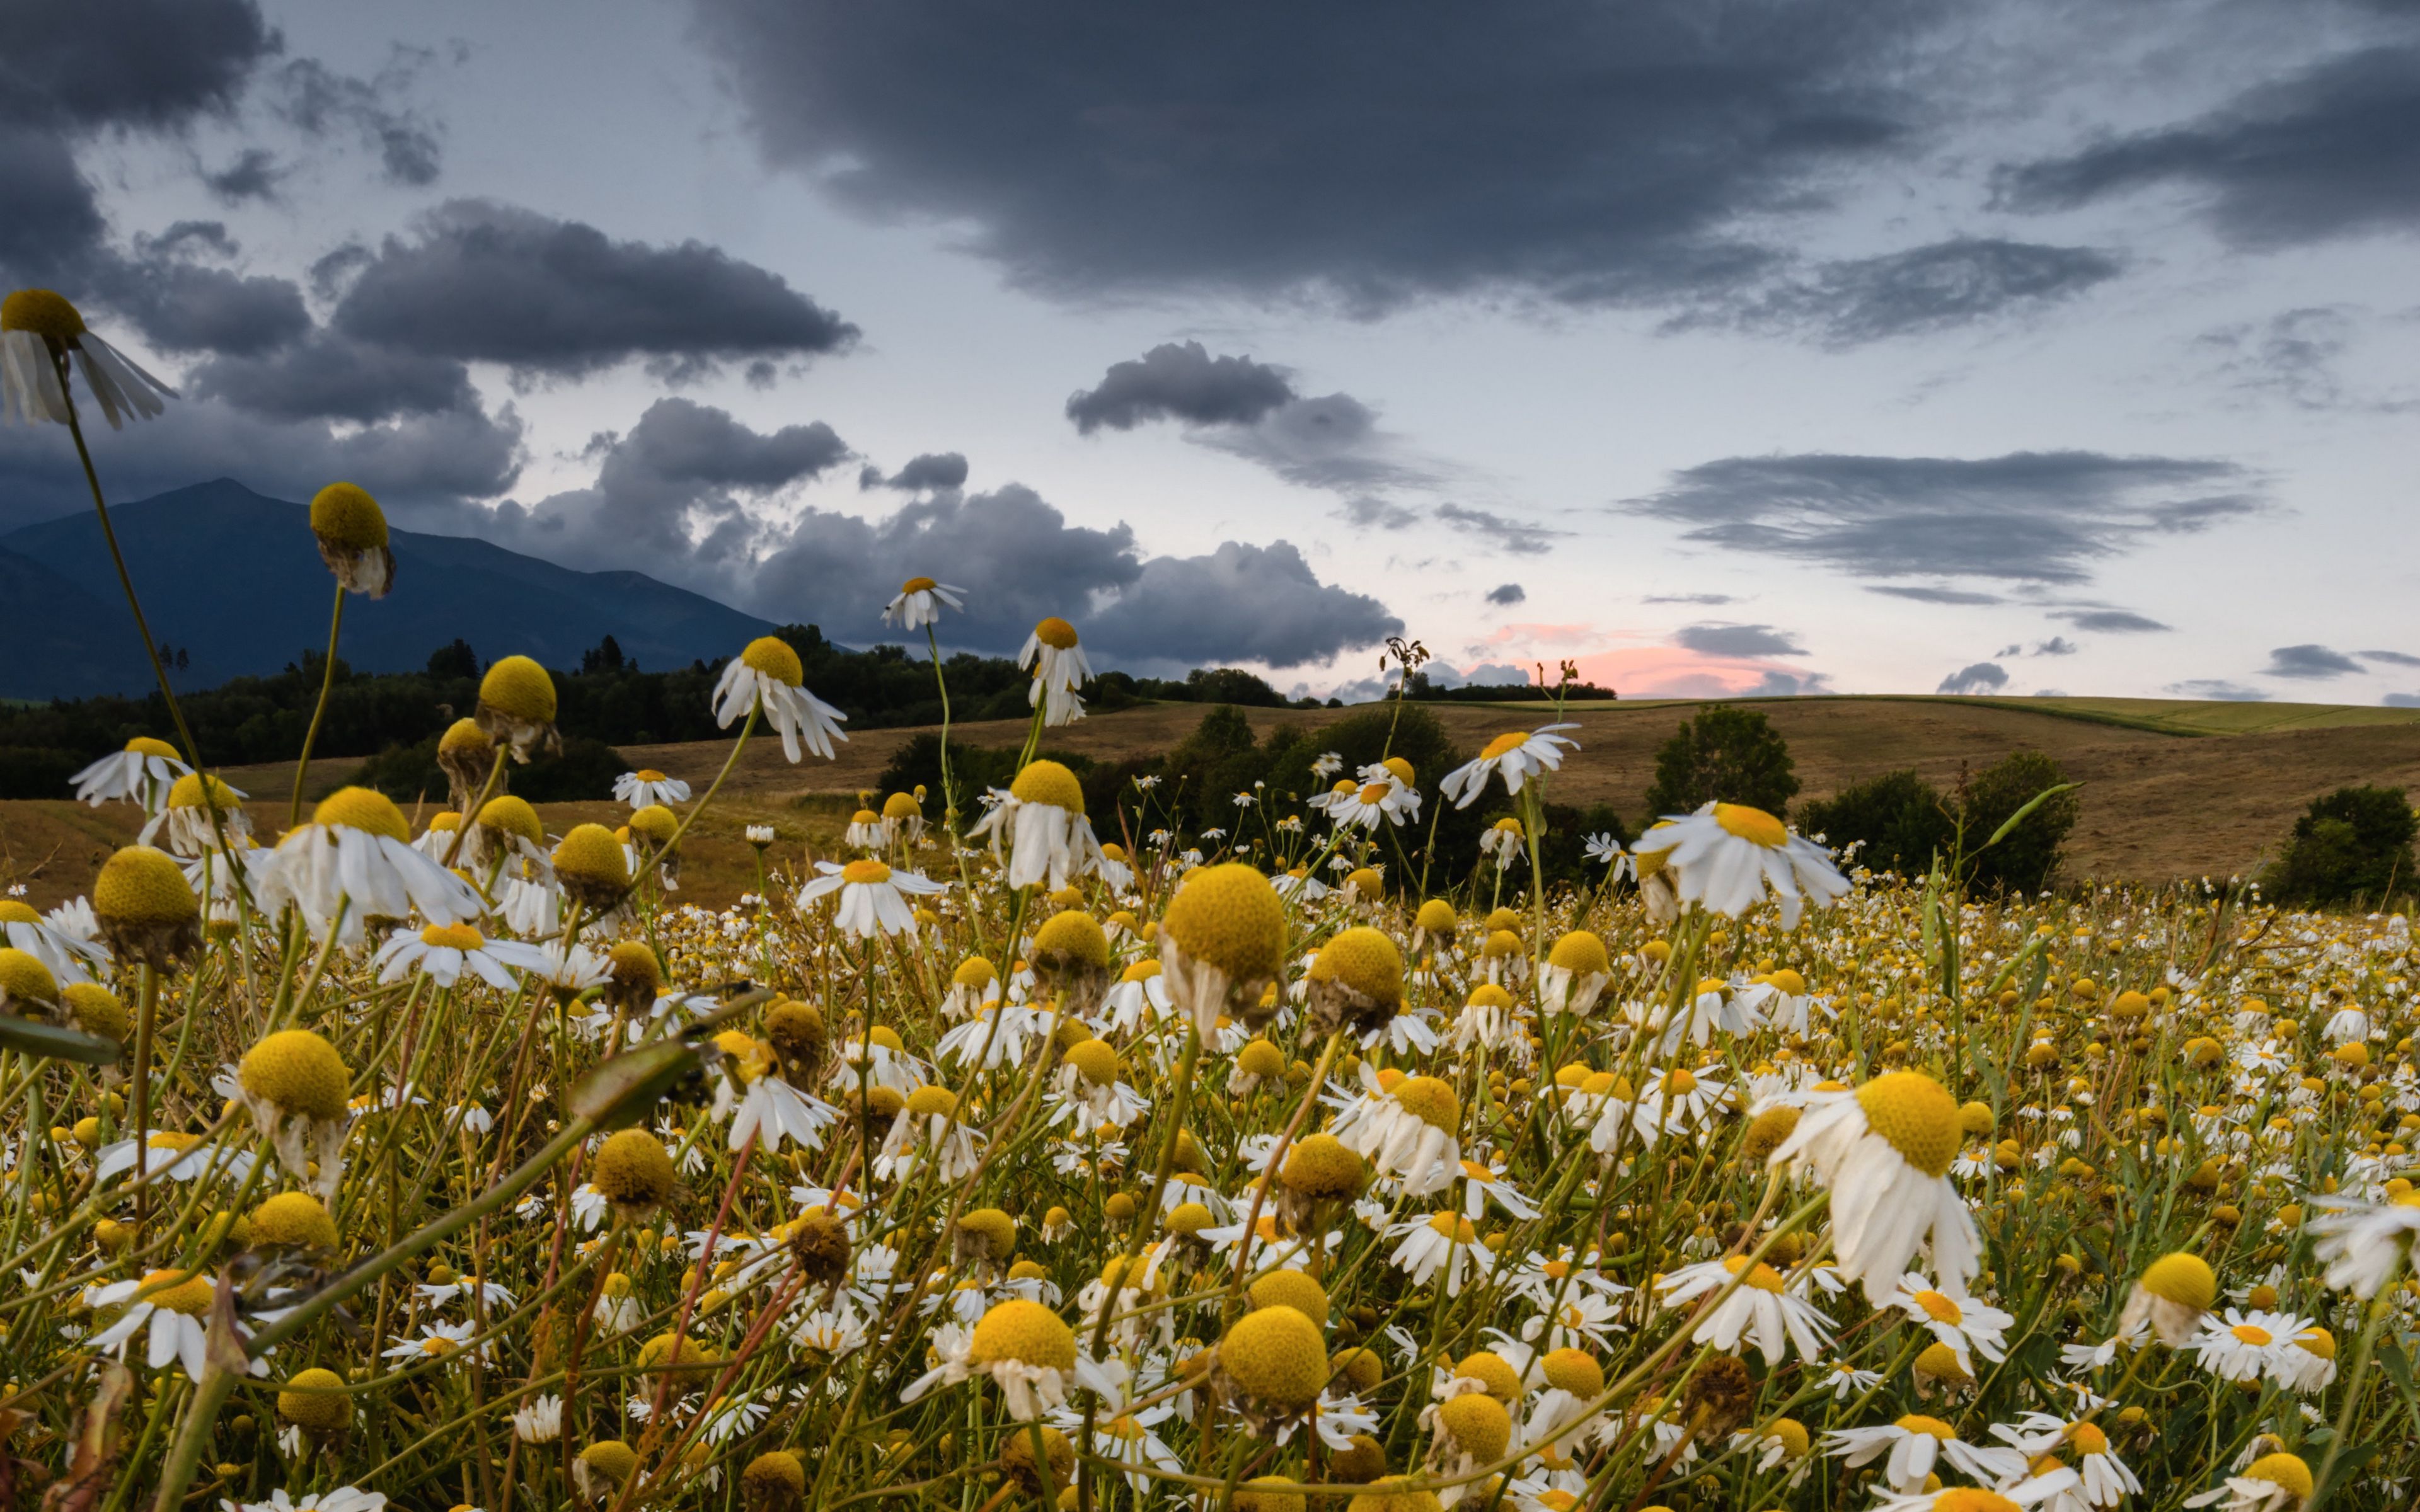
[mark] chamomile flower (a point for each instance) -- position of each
(1910, 1446)
(141, 774)
(169, 1306)
(2246, 1347)
(647, 786)
(1515, 756)
(1763, 1311)
(1884, 1150)
(767, 676)
(1027, 1350)
(873, 896)
(1040, 817)
(1444, 1242)
(2364, 1246)
(41, 338)
(1724, 855)
(441, 952)
(1058, 670)
(1966, 1326)
(2273, 1483)
(919, 603)
(354, 861)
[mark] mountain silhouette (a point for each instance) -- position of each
(233, 579)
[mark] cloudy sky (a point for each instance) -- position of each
(1785, 347)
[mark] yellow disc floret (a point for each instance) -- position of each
(1230, 917)
(521, 689)
(42, 313)
(2185, 1279)
(343, 515)
(1025, 1333)
(1916, 1115)
(1048, 782)
(315, 1401)
(1277, 1357)
(364, 808)
(633, 1170)
(294, 1218)
(1364, 959)
(141, 885)
(1752, 824)
(299, 1072)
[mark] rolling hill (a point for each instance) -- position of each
(234, 580)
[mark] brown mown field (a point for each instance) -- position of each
(2158, 803)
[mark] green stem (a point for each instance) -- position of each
(319, 711)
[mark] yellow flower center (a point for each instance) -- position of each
(2088, 1440)
(186, 793)
(42, 313)
(1454, 1226)
(1918, 1423)
(1375, 793)
(364, 808)
(1752, 824)
(918, 585)
(1055, 633)
(1025, 1331)
(866, 872)
(1762, 1278)
(2282, 1469)
(297, 1071)
(1504, 745)
(648, 774)
(345, 516)
(1431, 1100)
(1972, 1499)
(772, 657)
(451, 937)
(2185, 1280)
(176, 1292)
(1916, 1115)
(1679, 1083)
(1048, 782)
(1939, 1308)
(1230, 917)
(1364, 959)
(519, 688)
(2254, 1334)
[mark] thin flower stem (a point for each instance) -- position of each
(319, 710)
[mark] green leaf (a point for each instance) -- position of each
(2031, 804)
(51, 1043)
(619, 1092)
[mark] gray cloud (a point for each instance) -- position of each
(147, 65)
(1504, 594)
(2401, 701)
(1778, 683)
(183, 307)
(676, 496)
(1240, 603)
(2041, 517)
(1331, 441)
(480, 281)
(252, 175)
(1180, 381)
(2335, 151)
(328, 376)
(928, 472)
(1689, 598)
(2392, 658)
(2057, 645)
(1738, 641)
(1979, 677)
(1934, 595)
(320, 102)
(2217, 687)
(2112, 621)
(2291, 355)
(1955, 282)
(1516, 536)
(2308, 661)
(1587, 154)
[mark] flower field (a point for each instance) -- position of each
(985, 1164)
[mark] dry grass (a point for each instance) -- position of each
(2156, 804)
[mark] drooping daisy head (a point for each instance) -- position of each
(351, 530)
(146, 910)
(516, 703)
(1273, 1363)
(41, 335)
(1356, 981)
(1222, 941)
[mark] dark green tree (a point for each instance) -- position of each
(2353, 846)
(1726, 754)
(1898, 820)
(2025, 860)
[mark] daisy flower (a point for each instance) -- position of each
(1910, 1447)
(2364, 1246)
(919, 603)
(649, 786)
(1408, 1133)
(1762, 1311)
(41, 337)
(1027, 1350)
(355, 860)
(2245, 1347)
(1884, 1150)
(1967, 1326)
(443, 951)
(142, 772)
(2273, 1483)
(1724, 855)
(872, 897)
(171, 1305)
(767, 675)
(1059, 669)
(1443, 1241)
(2030, 1492)
(1517, 757)
(342, 1499)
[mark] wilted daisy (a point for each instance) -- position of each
(2273, 1483)
(354, 861)
(872, 897)
(1724, 855)
(41, 335)
(351, 530)
(2172, 1294)
(1025, 1348)
(1408, 1133)
(1884, 1150)
(169, 1305)
(1436, 1242)
(1041, 816)
(928, 1126)
(649, 786)
(1059, 669)
(767, 676)
(919, 603)
(1514, 756)
(295, 1085)
(142, 772)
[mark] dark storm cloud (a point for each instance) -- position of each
(147, 65)
(930, 472)
(1934, 595)
(2040, 517)
(1506, 595)
(53, 223)
(185, 306)
(1955, 282)
(481, 281)
(252, 175)
(2334, 151)
(1180, 381)
(2114, 621)
(2308, 661)
(1738, 641)
(332, 377)
(1240, 603)
(1364, 153)
(1980, 677)
(320, 102)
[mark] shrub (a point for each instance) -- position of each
(2353, 846)
(2031, 853)
(1733, 755)
(1898, 820)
